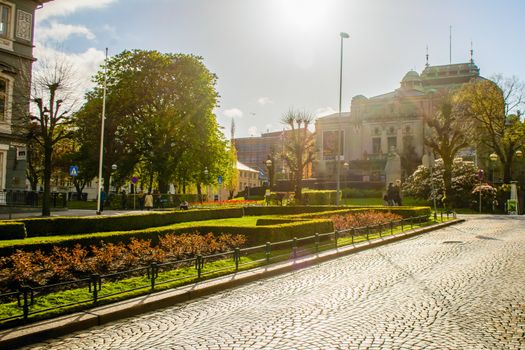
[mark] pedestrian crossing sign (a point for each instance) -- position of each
(73, 170)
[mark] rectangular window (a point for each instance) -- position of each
(3, 99)
(5, 13)
(392, 143)
(330, 144)
(376, 145)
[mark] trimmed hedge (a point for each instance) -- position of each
(12, 230)
(320, 197)
(58, 226)
(404, 212)
(254, 235)
(289, 210)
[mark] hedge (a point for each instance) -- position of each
(404, 212)
(57, 226)
(289, 210)
(320, 197)
(254, 234)
(12, 230)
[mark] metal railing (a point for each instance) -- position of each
(199, 267)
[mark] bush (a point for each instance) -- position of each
(404, 212)
(361, 193)
(327, 197)
(488, 197)
(78, 225)
(12, 230)
(362, 219)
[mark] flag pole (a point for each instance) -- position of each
(101, 156)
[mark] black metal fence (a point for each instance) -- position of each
(33, 199)
(199, 268)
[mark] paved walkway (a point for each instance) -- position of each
(461, 287)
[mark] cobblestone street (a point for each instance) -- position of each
(462, 287)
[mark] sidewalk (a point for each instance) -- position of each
(32, 333)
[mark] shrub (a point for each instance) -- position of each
(320, 197)
(361, 193)
(368, 218)
(61, 264)
(488, 197)
(12, 230)
(77, 225)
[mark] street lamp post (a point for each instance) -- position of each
(269, 165)
(343, 35)
(113, 168)
(493, 158)
(206, 172)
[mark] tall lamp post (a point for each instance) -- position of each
(269, 165)
(493, 158)
(206, 172)
(343, 35)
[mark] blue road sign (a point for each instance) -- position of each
(219, 179)
(73, 170)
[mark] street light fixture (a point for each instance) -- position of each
(343, 35)
(493, 158)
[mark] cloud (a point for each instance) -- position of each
(323, 111)
(59, 32)
(252, 130)
(66, 7)
(232, 113)
(264, 100)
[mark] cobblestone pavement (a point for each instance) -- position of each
(462, 287)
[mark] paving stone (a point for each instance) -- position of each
(420, 293)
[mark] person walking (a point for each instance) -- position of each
(141, 199)
(123, 200)
(148, 201)
(391, 194)
(102, 199)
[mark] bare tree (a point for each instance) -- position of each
(52, 98)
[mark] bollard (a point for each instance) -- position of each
(336, 235)
(317, 242)
(268, 251)
(294, 247)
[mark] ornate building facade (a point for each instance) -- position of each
(16, 58)
(380, 124)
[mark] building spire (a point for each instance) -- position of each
(426, 64)
(450, 45)
(471, 52)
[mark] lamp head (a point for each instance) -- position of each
(344, 35)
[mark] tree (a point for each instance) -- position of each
(493, 106)
(52, 86)
(299, 147)
(449, 133)
(423, 186)
(157, 107)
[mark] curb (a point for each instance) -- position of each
(36, 332)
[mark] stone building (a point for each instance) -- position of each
(389, 122)
(16, 58)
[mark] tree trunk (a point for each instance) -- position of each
(46, 200)
(163, 184)
(199, 191)
(507, 175)
(447, 182)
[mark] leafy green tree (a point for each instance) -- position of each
(494, 108)
(299, 147)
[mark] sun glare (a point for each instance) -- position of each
(303, 14)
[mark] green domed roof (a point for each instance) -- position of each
(411, 76)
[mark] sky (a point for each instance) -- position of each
(271, 56)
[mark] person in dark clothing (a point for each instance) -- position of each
(391, 194)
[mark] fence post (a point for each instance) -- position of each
(236, 258)
(391, 227)
(441, 216)
(380, 230)
(294, 247)
(26, 290)
(317, 243)
(154, 274)
(367, 232)
(402, 225)
(411, 222)
(198, 265)
(95, 280)
(336, 235)
(353, 234)
(268, 251)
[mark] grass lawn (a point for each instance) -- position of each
(245, 221)
(73, 300)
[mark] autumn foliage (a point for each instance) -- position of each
(64, 264)
(369, 218)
